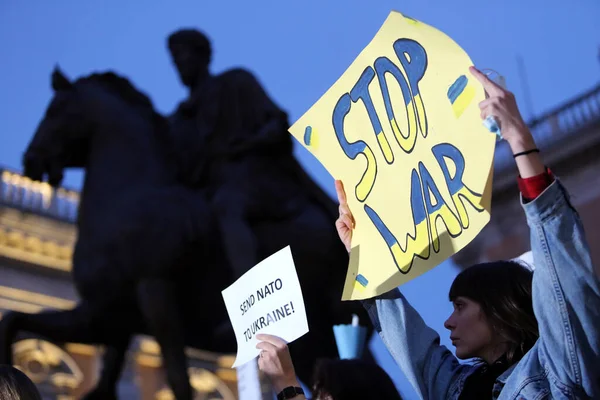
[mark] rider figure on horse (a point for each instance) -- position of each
(236, 146)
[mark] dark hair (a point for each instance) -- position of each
(352, 380)
(503, 290)
(15, 385)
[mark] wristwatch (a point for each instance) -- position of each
(289, 393)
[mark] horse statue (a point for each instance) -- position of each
(146, 260)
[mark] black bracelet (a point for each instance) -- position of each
(523, 153)
(290, 392)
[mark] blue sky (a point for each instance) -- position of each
(296, 48)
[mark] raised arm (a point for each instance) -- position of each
(265, 125)
(566, 291)
(431, 368)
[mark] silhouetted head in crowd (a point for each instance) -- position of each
(352, 380)
(15, 385)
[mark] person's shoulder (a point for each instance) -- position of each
(238, 71)
(184, 107)
(238, 74)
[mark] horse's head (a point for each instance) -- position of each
(78, 110)
(58, 135)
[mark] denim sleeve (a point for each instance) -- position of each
(431, 368)
(566, 292)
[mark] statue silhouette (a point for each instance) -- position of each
(147, 259)
(230, 123)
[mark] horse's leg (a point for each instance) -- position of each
(60, 326)
(158, 303)
(112, 366)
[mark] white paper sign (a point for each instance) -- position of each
(266, 299)
(248, 382)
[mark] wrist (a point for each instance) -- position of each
(280, 384)
(521, 142)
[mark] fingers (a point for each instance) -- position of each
(487, 111)
(486, 103)
(345, 223)
(343, 209)
(345, 214)
(341, 193)
(346, 220)
(494, 108)
(490, 87)
(275, 341)
(266, 346)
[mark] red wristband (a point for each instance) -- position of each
(532, 187)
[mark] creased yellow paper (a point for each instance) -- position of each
(401, 128)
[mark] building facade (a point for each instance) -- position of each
(569, 140)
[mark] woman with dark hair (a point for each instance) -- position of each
(533, 335)
(15, 385)
(503, 291)
(333, 379)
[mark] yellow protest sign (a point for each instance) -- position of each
(401, 129)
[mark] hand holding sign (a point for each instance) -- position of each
(275, 361)
(345, 222)
(502, 105)
(266, 299)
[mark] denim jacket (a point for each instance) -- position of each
(565, 361)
